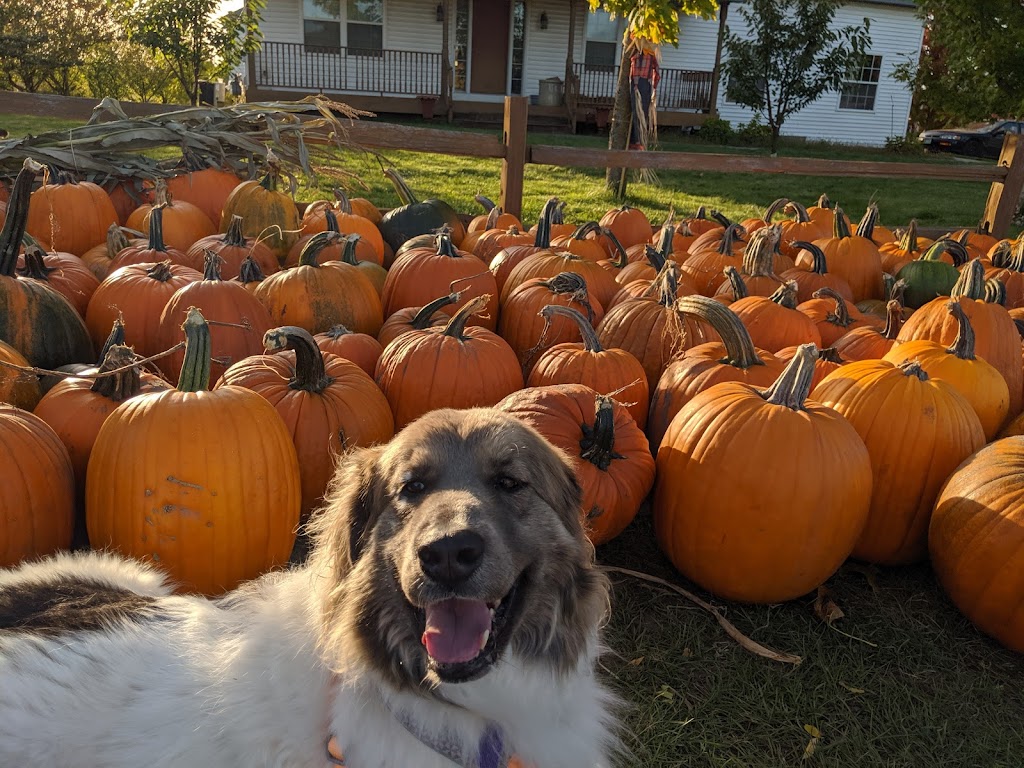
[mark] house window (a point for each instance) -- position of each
(321, 23)
(461, 45)
(859, 91)
(603, 35)
(732, 90)
(518, 45)
(365, 27)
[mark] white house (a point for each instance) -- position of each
(399, 55)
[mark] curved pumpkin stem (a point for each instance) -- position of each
(119, 386)
(485, 202)
(492, 218)
(315, 244)
(841, 315)
(721, 218)
(667, 283)
(598, 443)
(840, 229)
(736, 283)
(831, 355)
(573, 285)
(457, 325)
(963, 344)
(731, 234)
(971, 283)
(956, 251)
(590, 341)
(348, 253)
(785, 295)
(824, 202)
(422, 318)
(195, 369)
(156, 229)
(908, 242)
(913, 368)
(117, 240)
(896, 289)
(759, 255)
(17, 216)
(551, 210)
(668, 233)
(794, 383)
(739, 347)
(35, 265)
(445, 246)
(1001, 254)
(995, 292)
(310, 373)
(893, 320)
(621, 259)
(331, 219)
(114, 338)
(774, 208)
(405, 194)
(342, 202)
(819, 264)
(866, 226)
(655, 257)
(800, 212)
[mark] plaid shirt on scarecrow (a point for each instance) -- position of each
(645, 65)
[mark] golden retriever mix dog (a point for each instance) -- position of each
(448, 615)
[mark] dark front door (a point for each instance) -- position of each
(489, 63)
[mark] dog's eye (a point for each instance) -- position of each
(509, 484)
(413, 488)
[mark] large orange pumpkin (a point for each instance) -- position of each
(976, 540)
(268, 214)
(205, 484)
(629, 225)
(205, 188)
(868, 343)
(613, 372)
(63, 272)
(37, 494)
(466, 367)
(744, 519)
(359, 348)
(854, 257)
(70, 216)
(183, 223)
(774, 321)
(17, 388)
(600, 282)
(233, 248)
(436, 313)
(889, 405)
(150, 251)
(605, 445)
(811, 273)
(328, 404)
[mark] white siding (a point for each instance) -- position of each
(895, 36)
(545, 51)
(282, 21)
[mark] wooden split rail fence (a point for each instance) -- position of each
(1006, 176)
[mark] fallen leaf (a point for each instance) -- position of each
(637, 662)
(666, 693)
(812, 745)
(687, 653)
(851, 689)
(825, 608)
(812, 731)
(868, 571)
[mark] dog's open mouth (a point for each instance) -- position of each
(464, 637)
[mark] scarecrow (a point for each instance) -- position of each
(644, 74)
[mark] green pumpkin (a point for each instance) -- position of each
(928, 277)
(417, 218)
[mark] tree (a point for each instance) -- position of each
(792, 57)
(192, 39)
(23, 39)
(971, 67)
(654, 20)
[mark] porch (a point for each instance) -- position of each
(399, 81)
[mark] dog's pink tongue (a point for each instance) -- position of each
(455, 629)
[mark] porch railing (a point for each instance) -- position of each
(678, 89)
(317, 68)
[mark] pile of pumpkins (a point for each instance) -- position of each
(794, 389)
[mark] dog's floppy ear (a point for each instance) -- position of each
(560, 488)
(351, 507)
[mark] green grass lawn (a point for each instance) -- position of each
(903, 680)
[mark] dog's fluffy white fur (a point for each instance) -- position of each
(246, 681)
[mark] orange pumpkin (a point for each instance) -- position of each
(37, 500)
(268, 214)
(183, 223)
(743, 519)
(328, 404)
(868, 343)
(359, 348)
(811, 273)
(613, 372)
(600, 282)
(212, 512)
(63, 272)
(608, 450)
(466, 367)
(16, 387)
(975, 539)
(854, 257)
(339, 217)
(774, 321)
(205, 188)
(887, 404)
(801, 228)
(70, 216)
(629, 225)
(233, 248)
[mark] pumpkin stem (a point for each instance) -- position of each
(585, 229)
(17, 216)
(785, 295)
(115, 337)
(343, 203)
(35, 266)
(445, 246)
(655, 257)
(485, 202)
(913, 368)
(249, 271)
(971, 283)
(995, 292)
(759, 255)
(729, 237)
(841, 315)
(598, 443)
(119, 386)
(273, 176)
(195, 369)
(335, 332)
(331, 220)
(736, 283)
(721, 218)
(211, 265)
(348, 253)
(668, 232)
(234, 237)
(667, 283)
(956, 251)
(551, 210)
(866, 226)
(794, 383)
(819, 264)
(830, 355)
(492, 218)
(802, 216)
(310, 373)
(311, 250)
(840, 229)
(573, 285)
(422, 318)
(700, 215)
(893, 320)
(963, 344)
(824, 202)
(739, 347)
(908, 243)
(590, 340)
(774, 208)
(156, 229)
(117, 241)
(401, 188)
(621, 259)
(1002, 255)
(896, 288)
(457, 324)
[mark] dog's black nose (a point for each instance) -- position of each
(453, 559)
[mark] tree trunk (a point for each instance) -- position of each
(775, 138)
(622, 117)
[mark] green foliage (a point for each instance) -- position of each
(755, 133)
(656, 20)
(128, 72)
(715, 130)
(793, 56)
(971, 67)
(192, 39)
(904, 145)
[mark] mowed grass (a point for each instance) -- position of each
(902, 680)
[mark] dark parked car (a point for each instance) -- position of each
(983, 141)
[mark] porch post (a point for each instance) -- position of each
(513, 165)
(571, 90)
(446, 64)
(716, 73)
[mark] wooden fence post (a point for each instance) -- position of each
(1004, 196)
(513, 165)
